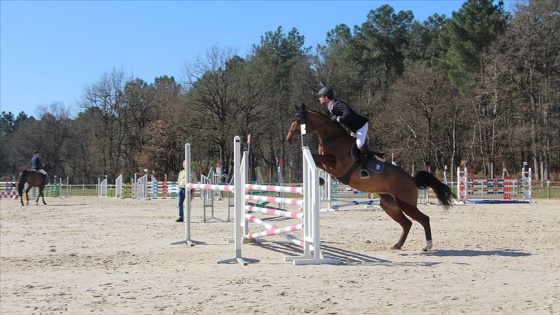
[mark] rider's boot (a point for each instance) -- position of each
(364, 174)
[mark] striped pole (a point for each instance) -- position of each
(287, 189)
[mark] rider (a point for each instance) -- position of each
(37, 165)
(357, 124)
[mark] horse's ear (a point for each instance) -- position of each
(303, 107)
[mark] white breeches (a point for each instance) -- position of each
(361, 135)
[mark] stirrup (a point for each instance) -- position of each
(379, 158)
(364, 174)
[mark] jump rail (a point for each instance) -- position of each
(508, 189)
(310, 203)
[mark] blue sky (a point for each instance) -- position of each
(52, 50)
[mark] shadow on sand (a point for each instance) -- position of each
(353, 258)
(472, 253)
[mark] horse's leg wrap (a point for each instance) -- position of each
(364, 174)
(429, 245)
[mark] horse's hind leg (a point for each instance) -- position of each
(390, 207)
(27, 195)
(416, 215)
(43, 197)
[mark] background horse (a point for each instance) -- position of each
(398, 190)
(33, 179)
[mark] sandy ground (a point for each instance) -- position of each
(89, 255)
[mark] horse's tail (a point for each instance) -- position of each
(21, 183)
(444, 194)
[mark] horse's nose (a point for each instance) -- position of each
(289, 138)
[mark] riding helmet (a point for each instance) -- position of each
(36, 151)
(327, 91)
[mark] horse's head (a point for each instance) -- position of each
(314, 122)
(300, 117)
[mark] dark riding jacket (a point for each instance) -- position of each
(36, 163)
(346, 115)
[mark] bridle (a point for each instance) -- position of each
(310, 128)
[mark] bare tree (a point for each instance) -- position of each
(51, 134)
(211, 104)
(166, 140)
(103, 101)
(524, 69)
(419, 118)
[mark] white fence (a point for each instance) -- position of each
(310, 204)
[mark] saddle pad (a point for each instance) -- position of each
(373, 163)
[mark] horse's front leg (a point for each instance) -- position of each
(20, 192)
(390, 207)
(323, 161)
(27, 196)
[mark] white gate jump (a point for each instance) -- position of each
(140, 188)
(310, 203)
(102, 187)
(119, 187)
(503, 190)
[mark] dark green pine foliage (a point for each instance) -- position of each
(466, 36)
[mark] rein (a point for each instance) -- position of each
(327, 121)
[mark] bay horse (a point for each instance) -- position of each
(397, 189)
(33, 179)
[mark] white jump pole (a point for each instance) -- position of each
(188, 196)
(239, 205)
(312, 204)
(187, 208)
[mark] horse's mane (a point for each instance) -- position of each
(302, 112)
(317, 112)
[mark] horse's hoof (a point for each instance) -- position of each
(428, 246)
(396, 246)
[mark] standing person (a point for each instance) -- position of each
(357, 124)
(37, 165)
(181, 183)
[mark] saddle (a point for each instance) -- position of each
(379, 156)
(44, 178)
(376, 164)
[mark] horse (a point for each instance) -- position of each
(33, 179)
(397, 189)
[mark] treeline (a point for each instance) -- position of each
(481, 87)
